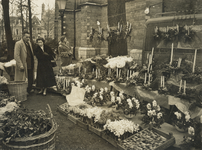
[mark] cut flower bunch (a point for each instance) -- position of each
(121, 129)
(153, 115)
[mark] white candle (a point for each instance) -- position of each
(179, 62)
(145, 78)
(201, 118)
(118, 25)
(127, 74)
(171, 56)
(149, 79)
(194, 64)
(130, 73)
(117, 73)
(93, 70)
(152, 52)
(177, 28)
(84, 70)
(180, 86)
(185, 87)
(64, 84)
(96, 73)
(127, 23)
(120, 28)
(108, 27)
(163, 81)
(188, 30)
(60, 71)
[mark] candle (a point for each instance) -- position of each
(130, 73)
(149, 79)
(179, 62)
(150, 62)
(171, 56)
(185, 87)
(84, 70)
(152, 52)
(63, 84)
(188, 30)
(163, 81)
(96, 73)
(201, 118)
(93, 70)
(118, 25)
(145, 78)
(108, 27)
(117, 73)
(66, 83)
(177, 28)
(194, 64)
(127, 23)
(180, 86)
(120, 28)
(127, 74)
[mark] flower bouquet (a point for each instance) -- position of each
(120, 130)
(194, 136)
(153, 115)
(131, 107)
(182, 121)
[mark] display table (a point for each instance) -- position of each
(142, 93)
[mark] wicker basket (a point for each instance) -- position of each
(18, 89)
(44, 141)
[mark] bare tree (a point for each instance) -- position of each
(30, 19)
(9, 38)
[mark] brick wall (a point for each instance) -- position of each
(136, 16)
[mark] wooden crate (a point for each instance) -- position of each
(169, 142)
(73, 118)
(82, 124)
(109, 139)
(62, 111)
(95, 130)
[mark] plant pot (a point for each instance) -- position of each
(129, 116)
(180, 130)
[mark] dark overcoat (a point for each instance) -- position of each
(45, 75)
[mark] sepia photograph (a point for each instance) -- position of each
(100, 74)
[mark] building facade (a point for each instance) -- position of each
(81, 15)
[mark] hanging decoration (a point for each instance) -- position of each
(113, 35)
(175, 34)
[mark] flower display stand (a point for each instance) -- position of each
(73, 119)
(95, 130)
(82, 124)
(109, 139)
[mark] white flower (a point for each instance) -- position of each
(159, 115)
(121, 64)
(158, 108)
(106, 89)
(186, 113)
(112, 93)
(178, 115)
(93, 87)
(101, 97)
(98, 23)
(82, 81)
(118, 99)
(130, 103)
(154, 103)
(154, 112)
(86, 88)
(187, 118)
(150, 113)
(113, 99)
(149, 106)
(191, 131)
(101, 90)
(89, 89)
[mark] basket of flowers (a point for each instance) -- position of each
(131, 107)
(29, 129)
(182, 121)
(153, 115)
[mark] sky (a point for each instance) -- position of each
(38, 3)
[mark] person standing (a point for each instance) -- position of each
(45, 76)
(26, 62)
(65, 52)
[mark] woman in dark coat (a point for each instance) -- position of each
(45, 76)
